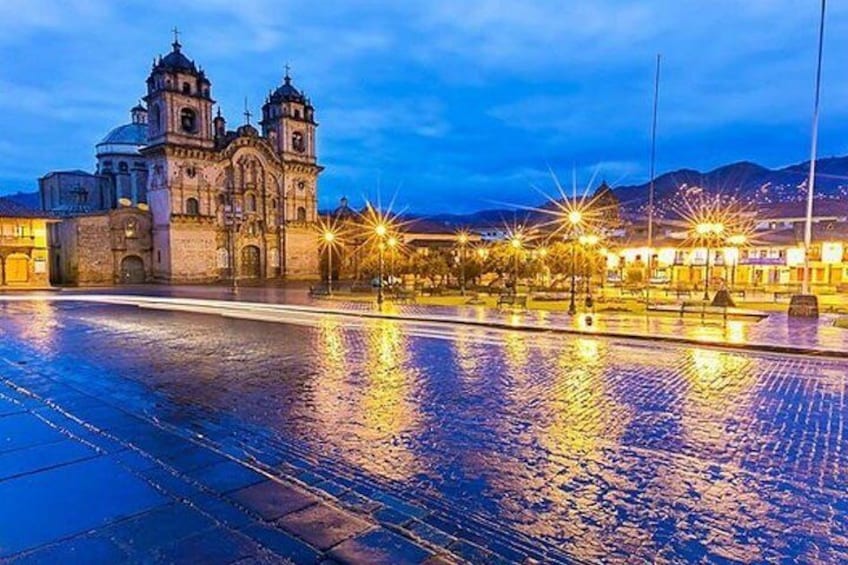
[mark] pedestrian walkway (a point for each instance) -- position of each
(86, 479)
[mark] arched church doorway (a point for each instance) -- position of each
(132, 270)
(251, 266)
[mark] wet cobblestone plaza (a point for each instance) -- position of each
(461, 442)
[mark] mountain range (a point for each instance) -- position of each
(746, 181)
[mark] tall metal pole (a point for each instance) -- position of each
(572, 306)
(329, 270)
(811, 182)
(651, 187)
(462, 270)
(707, 274)
(380, 280)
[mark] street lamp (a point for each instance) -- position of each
(462, 239)
(588, 241)
(392, 244)
(329, 238)
(575, 217)
(381, 230)
(233, 218)
(735, 241)
(708, 232)
(516, 245)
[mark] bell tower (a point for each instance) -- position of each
(288, 119)
(178, 101)
(288, 122)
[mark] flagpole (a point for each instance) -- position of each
(650, 258)
(811, 182)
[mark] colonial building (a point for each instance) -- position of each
(23, 247)
(177, 197)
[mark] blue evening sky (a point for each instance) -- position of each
(454, 105)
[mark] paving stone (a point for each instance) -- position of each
(392, 517)
(41, 457)
(227, 476)
(322, 525)
(41, 507)
(18, 431)
(159, 527)
(359, 503)
(192, 457)
(223, 510)
(430, 534)
(91, 550)
(282, 544)
(378, 547)
(271, 499)
(8, 407)
(212, 546)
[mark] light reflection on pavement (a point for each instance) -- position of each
(597, 447)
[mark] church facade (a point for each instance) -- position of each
(177, 197)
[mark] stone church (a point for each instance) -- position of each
(177, 197)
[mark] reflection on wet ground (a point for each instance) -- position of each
(578, 444)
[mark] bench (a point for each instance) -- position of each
(678, 291)
(361, 288)
(703, 307)
(320, 290)
(786, 293)
(512, 300)
(406, 295)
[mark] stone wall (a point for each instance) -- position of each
(301, 252)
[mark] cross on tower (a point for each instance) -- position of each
(288, 68)
(176, 36)
(247, 113)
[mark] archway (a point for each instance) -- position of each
(251, 265)
(132, 270)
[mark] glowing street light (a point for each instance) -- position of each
(575, 218)
(329, 238)
(381, 230)
(709, 232)
(392, 243)
(462, 240)
(517, 245)
(589, 241)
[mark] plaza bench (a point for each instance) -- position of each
(319, 290)
(703, 308)
(403, 295)
(361, 288)
(512, 300)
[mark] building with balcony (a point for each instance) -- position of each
(23, 247)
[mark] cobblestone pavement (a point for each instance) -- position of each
(462, 442)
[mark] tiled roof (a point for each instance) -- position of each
(9, 209)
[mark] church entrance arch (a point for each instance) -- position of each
(132, 270)
(251, 265)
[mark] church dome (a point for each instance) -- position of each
(175, 61)
(125, 139)
(287, 93)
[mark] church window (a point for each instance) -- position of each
(123, 167)
(154, 117)
(301, 214)
(192, 207)
(297, 113)
(297, 142)
(186, 88)
(188, 120)
(206, 92)
(273, 203)
(250, 204)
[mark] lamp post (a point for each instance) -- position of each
(708, 232)
(735, 241)
(381, 230)
(232, 217)
(516, 245)
(329, 239)
(588, 241)
(574, 220)
(542, 253)
(392, 244)
(462, 239)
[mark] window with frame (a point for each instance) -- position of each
(188, 120)
(301, 214)
(192, 207)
